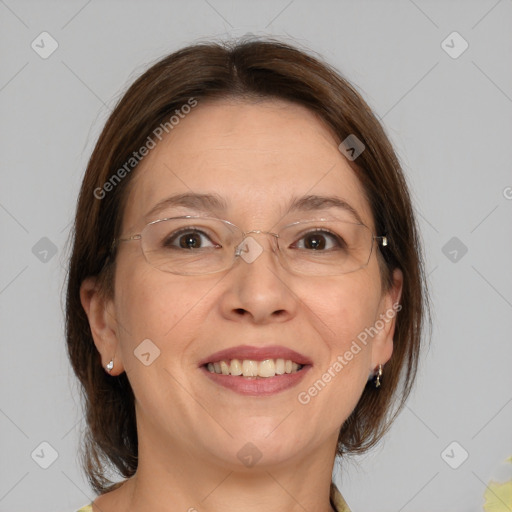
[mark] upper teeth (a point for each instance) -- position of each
(251, 368)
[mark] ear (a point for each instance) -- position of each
(382, 343)
(102, 321)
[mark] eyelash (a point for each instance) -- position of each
(322, 232)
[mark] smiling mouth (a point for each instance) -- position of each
(256, 369)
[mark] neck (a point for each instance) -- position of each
(179, 479)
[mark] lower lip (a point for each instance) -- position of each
(253, 386)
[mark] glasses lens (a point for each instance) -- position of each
(189, 246)
(325, 247)
(203, 245)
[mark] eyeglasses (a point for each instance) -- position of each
(191, 245)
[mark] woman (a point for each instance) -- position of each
(246, 291)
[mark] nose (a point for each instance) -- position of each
(258, 289)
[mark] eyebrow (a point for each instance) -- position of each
(315, 202)
(206, 203)
(213, 203)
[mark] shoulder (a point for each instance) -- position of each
(337, 500)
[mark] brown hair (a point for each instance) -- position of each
(245, 70)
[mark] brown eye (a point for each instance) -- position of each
(189, 239)
(314, 241)
(319, 241)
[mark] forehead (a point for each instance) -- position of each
(257, 156)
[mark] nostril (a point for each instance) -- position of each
(240, 311)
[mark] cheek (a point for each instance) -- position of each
(341, 309)
(169, 312)
(157, 306)
(344, 306)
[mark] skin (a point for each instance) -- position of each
(257, 156)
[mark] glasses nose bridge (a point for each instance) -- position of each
(275, 236)
(260, 231)
(247, 234)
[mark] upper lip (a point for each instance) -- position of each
(242, 352)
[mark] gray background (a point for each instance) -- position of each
(451, 122)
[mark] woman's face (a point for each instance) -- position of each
(257, 158)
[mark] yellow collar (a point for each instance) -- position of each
(337, 501)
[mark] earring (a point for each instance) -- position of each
(110, 366)
(378, 375)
